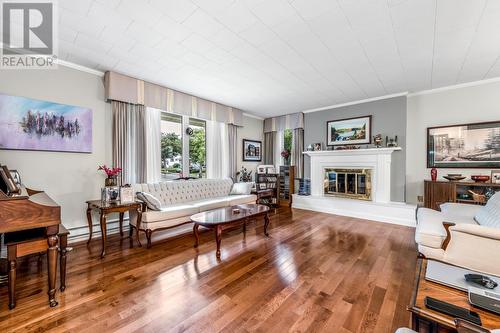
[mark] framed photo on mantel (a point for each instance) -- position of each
(351, 131)
(474, 145)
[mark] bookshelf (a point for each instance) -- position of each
(286, 184)
(266, 185)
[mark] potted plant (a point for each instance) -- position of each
(245, 175)
(112, 175)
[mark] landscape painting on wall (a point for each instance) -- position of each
(30, 124)
(464, 146)
(352, 131)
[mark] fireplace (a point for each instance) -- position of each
(354, 183)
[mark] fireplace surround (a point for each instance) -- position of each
(373, 161)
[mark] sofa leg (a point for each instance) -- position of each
(148, 236)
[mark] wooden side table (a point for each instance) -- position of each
(426, 320)
(105, 208)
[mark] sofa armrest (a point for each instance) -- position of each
(474, 247)
(458, 209)
(477, 230)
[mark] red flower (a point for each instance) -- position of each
(110, 172)
(285, 154)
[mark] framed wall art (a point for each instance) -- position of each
(30, 124)
(474, 145)
(351, 131)
(252, 150)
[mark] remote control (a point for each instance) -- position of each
(452, 310)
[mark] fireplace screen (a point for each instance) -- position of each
(349, 183)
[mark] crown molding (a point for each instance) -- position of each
(252, 116)
(455, 86)
(373, 99)
(79, 67)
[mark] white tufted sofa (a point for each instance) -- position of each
(181, 199)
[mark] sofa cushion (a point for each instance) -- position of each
(151, 201)
(241, 188)
(489, 215)
(164, 223)
(186, 191)
(209, 204)
(170, 212)
(241, 199)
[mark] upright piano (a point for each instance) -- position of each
(22, 208)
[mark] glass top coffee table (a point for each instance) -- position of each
(228, 217)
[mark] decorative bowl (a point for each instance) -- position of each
(454, 178)
(480, 178)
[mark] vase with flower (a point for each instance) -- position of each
(112, 175)
(286, 156)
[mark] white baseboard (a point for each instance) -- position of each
(78, 234)
(394, 212)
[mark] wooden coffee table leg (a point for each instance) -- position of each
(218, 233)
(266, 224)
(196, 235)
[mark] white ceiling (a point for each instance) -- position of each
(271, 57)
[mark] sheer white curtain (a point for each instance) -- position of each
(278, 148)
(153, 145)
(217, 150)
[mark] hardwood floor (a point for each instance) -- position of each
(316, 273)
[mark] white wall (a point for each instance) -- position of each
(253, 129)
(458, 106)
(69, 178)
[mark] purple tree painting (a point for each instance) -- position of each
(30, 124)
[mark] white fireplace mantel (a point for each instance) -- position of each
(376, 159)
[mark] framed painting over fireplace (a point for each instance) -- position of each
(475, 145)
(30, 124)
(350, 131)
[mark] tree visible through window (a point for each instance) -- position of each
(171, 146)
(197, 148)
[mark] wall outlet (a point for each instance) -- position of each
(420, 198)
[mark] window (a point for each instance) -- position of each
(178, 156)
(171, 146)
(197, 149)
(287, 140)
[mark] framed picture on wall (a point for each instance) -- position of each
(350, 131)
(31, 124)
(475, 145)
(252, 150)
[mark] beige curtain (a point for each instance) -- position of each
(297, 149)
(232, 132)
(269, 143)
(129, 141)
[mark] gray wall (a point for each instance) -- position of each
(388, 118)
(69, 178)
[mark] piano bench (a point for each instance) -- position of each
(32, 241)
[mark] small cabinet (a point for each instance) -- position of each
(437, 193)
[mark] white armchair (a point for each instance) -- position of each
(454, 235)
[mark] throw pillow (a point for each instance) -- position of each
(151, 201)
(489, 215)
(241, 188)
